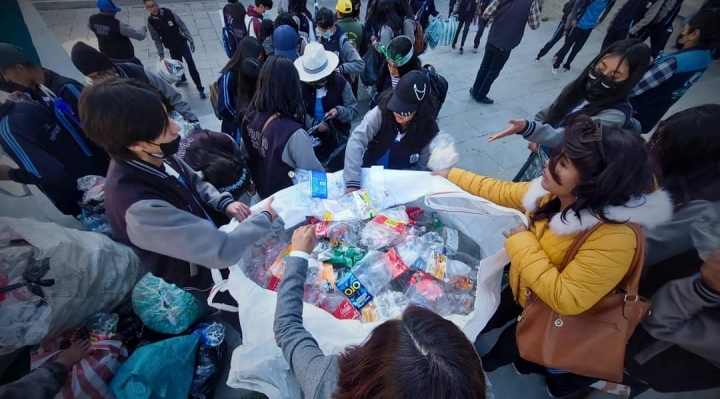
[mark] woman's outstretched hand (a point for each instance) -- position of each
(516, 126)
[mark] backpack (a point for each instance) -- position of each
(231, 37)
(438, 85)
(419, 46)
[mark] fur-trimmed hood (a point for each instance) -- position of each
(648, 211)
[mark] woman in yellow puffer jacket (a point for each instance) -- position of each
(597, 175)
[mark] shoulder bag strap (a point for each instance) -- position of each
(267, 122)
(579, 241)
(632, 279)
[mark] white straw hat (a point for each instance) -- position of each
(316, 63)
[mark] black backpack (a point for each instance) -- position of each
(438, 85)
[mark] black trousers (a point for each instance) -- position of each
(557, 35)
(505, 350)
(659, 37)
(614, 35)
(479, 34)
(574, 40)
(184, 52)
(465, 22)
(493, 62)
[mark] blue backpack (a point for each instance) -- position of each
(231, 37)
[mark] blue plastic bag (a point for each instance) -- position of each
(209, 356)
(163, 370)
(164, 307)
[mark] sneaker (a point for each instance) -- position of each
(485, 100)
(461, 50)
(566, 68)
(554, 70)
(453, 46)
(475, 50)
(180, 82)
(202, 94)
(537, 60)
(554, 60)
(473, 94)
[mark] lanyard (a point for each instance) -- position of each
(196, 200)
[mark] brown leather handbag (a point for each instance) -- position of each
(593, 343)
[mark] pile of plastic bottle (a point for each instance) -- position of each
(373, 269)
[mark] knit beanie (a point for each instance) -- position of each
(88, 60)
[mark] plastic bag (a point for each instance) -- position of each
(209, 358)
(443, 154)
(170, 70)
(317, 184)
(706, 232)
(91, 377)
(342, 254)
(161, 370)
(373, 271)
(426, 291)
(342, 231)
(434, 31)
(385, 229)
(164, 307)
(391, 304)
(64, 276)
(339, 306)
(186, 127)
(102, 324)
(353, 206)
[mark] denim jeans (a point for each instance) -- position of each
(493, 62)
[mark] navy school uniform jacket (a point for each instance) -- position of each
(49, 155)
(165, 220)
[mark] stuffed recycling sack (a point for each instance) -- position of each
(62, 275)
(163, 370)
(90, 378)
(164, 307)
(259, 364)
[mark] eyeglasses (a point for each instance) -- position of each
(594, 134)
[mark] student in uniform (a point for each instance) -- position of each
(228, 90)
(113, 35)
(396, 134)
(155, 202)
(329, 102)
(333, 39)
(273, 132)
(670, 76)
(96, 66)
(48, 154)
(168, 29)
(584, 17)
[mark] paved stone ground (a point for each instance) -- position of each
(523, 88)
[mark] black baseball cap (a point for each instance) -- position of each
(11, 55)
(411, 90)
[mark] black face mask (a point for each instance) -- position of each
(319, 84)
(599, 85)
(678, 44)
(168, 149)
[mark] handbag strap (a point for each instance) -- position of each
(632, 279)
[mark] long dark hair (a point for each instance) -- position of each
(621, 171)
(398, 47)
(419, 131)
(249, 47)
(220, 167)
(279, 90)
(420, 356)
(247, 86)
(383, 12)
(633, 52)
(687, 149)
(238, 13)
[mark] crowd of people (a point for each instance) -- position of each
(287, 99)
